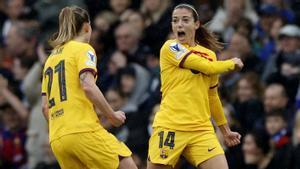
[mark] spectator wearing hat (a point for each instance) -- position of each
(283, 66)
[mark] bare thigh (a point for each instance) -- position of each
(127, 163)
(217, 162)
(157, 166)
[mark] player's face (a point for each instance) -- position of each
(184, 26)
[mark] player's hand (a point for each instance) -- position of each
(117, 118)
(238, 64)
(232, 138)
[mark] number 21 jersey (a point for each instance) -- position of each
(70, 111)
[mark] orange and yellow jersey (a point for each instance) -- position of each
(189, 87)
(70, 111)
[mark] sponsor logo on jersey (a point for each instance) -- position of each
(175, 47)
(178, 49)
(91, 55)
(91, 59)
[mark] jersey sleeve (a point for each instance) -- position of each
(215, 104)
(87, 60)
(44, 84)
(205, 65)
(176, 54)
(214, 81)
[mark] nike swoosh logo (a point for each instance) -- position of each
(211, 149)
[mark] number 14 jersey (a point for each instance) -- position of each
(70, 111)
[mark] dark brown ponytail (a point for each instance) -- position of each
(207, 39)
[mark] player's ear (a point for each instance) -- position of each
(197, 24)
(86, 27)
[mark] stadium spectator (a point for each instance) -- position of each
(276, 126)
(283, 66)
(248, 106)
(295, 164)
(241, 45)
(228, 15)
(12, 138)
(257, 151)
(128, 42)
(157, 18)
(275, 97)
(119, 6)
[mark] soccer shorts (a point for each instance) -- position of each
(166, 146)
(93, 150)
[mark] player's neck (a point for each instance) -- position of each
(82, 39)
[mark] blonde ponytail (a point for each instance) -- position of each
(71, 20)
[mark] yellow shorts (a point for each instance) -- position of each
(93, 150)
(166, 146)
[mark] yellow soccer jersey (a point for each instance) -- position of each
(188, 76)
(70, 111)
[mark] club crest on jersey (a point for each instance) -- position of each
(177, 49)
(91, 59)
(163, 153)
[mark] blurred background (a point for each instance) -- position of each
(261, 102)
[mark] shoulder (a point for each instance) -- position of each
(48, 63)
(79, 49)
(169, 43)
(173, 46)
(87, 46)
(79, 45)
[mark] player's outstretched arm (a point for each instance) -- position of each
(211, 67)
(94, 94)
(176, 54)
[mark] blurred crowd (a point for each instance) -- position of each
(262, 102)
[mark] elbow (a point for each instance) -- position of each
(45, 109)
(212, 71)
(208, 72)
(88, 89)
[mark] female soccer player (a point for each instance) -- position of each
(182, 126)
(70, 97)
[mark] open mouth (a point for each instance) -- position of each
(181, 34)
